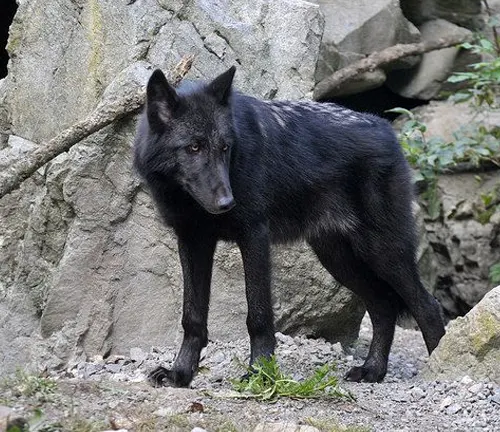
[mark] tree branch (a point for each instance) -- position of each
(105, 113)
(379, 60)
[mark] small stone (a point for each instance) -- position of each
(476, 388)
(115, 358)
(5, 414)
(91, 368)
(113, 367)
(400, 397)
(164, 412)
(337, 348)
(218, 357)
(198, 429)
(138, 355)
(417, 393)
(496, 397)
(447, 401)
(453, 409)
(96, 359)
(466, 380)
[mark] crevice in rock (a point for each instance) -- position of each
(378, 101)
(9, 8)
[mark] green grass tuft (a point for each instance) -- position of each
(266, 382)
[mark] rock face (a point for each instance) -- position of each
(86, 261)
(465, 13)
(353, 30)
(465, 240)
(425, 80)
(471, 345)
(464, 235)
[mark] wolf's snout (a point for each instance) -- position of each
(225, 203)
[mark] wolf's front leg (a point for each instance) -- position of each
(254, 247)
(196, 252)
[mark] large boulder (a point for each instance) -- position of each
(465, 239)
(354, 29)
(471, 345)
(426, 80)
(466, 13)
(87, 266)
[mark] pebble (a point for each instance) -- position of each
(476, 388)
(453, 408)
(466, 380)
(417, 393)
(496, 397)
(447, 401)
(138, 355)
(113, 368)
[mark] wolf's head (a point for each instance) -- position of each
(194, 137)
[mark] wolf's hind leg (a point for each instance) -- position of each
(399, 270)
(337, 256)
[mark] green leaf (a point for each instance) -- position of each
(458, 77)
(495, 273)
(399, 110)
(487, 45)
(267, 383)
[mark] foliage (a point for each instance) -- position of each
(482, 81)
(473, 143)
(24, 384)
(495, 273)
(266, 382)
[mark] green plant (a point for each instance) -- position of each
(495, 273)
(266, 382)
(25, 384)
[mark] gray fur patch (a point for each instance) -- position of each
(283, 109)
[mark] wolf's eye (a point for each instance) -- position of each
(194, 148)
(225, 148)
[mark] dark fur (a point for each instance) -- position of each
(291, 170)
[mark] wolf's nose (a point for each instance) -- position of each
(225, 203)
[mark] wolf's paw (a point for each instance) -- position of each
(162, 377)
(364, 374)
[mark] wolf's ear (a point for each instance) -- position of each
(220, 87)
(162, 100)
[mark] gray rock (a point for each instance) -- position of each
(5, 414)
(417, 393)
(457, 249)
(425, 81)
(350, 36)
(465, 13)
(138, 355)
(447, 401)
(471, 344)
(453, 409)
(476, 388)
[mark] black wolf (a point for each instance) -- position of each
(223, 165)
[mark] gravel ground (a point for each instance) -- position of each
(115, 393)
